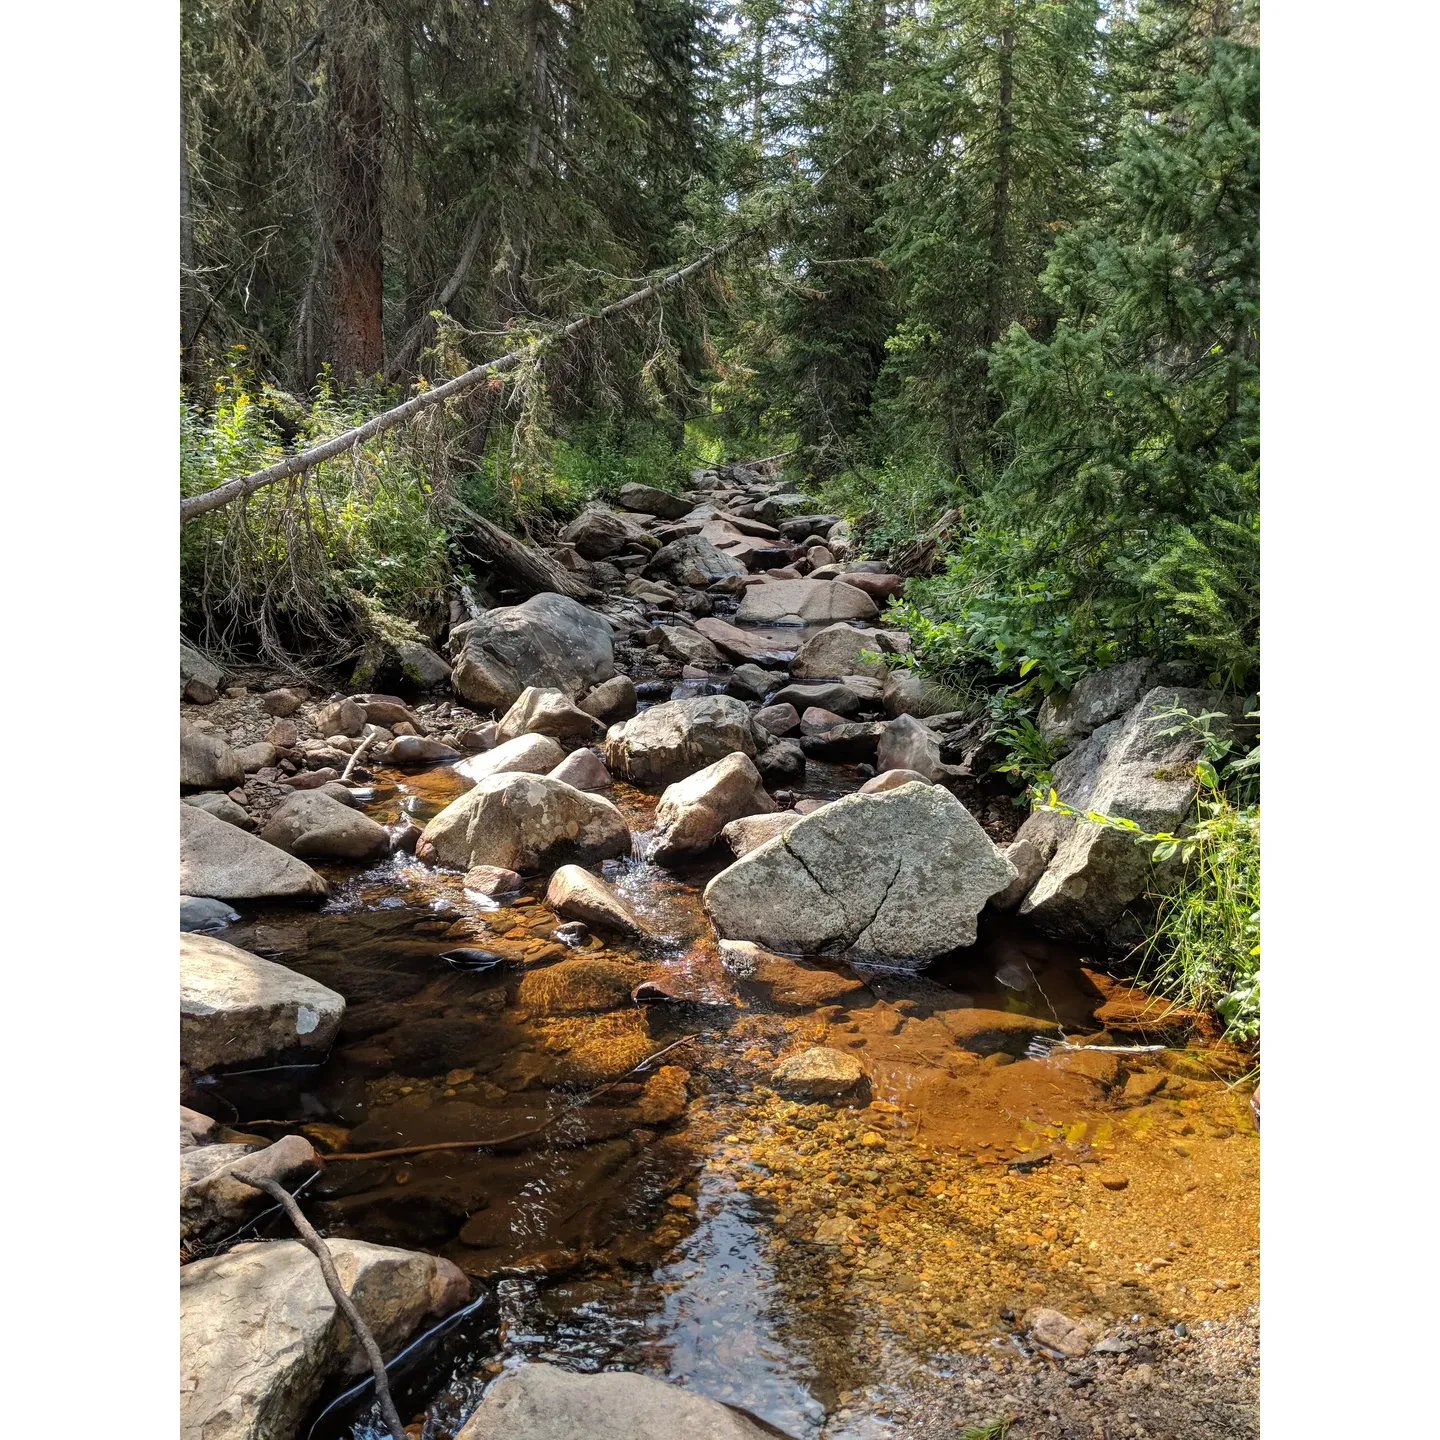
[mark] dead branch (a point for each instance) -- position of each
(355, 755)
(311, 1240)
(221, 495)
(531, 567)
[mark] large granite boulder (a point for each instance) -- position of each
(752, 831)
(611, 701)
(670, 741)
(804, 602)
(543, 1402)
(207, 762)
(692, 560)
(550, 641)
(742, 646)
(310, 822)
(524, 823)
(223, 862)
(237, 1009)
(546, 712)
(692, 812)
(524, 755)
(260, 1335)
(1097, 698)
(1129, 768)
(894, 879)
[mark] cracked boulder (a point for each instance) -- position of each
(551, 641)
(524, 823)
(1130, 768)
(692, 812)
(894, 879)
(670, 741)
(260, 1335)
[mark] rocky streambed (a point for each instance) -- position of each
(686, 1005)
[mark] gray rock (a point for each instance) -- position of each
(578, 895)
(692, 560)
(420, 665)
(905, 693)
(816, 720)
(750, 682)
(752, 831)
(550, 641)
(199, 912)
(647, 500)
(779, 719)
(839, 650)
(420, 750)
(781, 763)
(341, 717)
(260, 1335)
(196, 1129)
(774, 509)
(583, 769)
(689, 647)
(612, 701)
(804, 602)
(237, 1009)
(282, 703)
(390, 710)
(845, 744)
(546, 712)
(207, 762)
(669, 741)
(214, 1204)
(909, 745)
(222, 807)
(893, 780)
(692, 812)
(524, 823)
(838, 699)
(492, 880)
(201, 678)
(597, 532)
(525, 755)
(311, 822)
(256, 757)
(1095, 699)
(543, 1402)
(817, 1074)
(742, 646)
(226, 863)
(1127, 768)
(894, 879)
(1059, 1332)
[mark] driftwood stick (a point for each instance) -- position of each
(355, 755)
(532, 567)
(317, 1247)
(515, 1134)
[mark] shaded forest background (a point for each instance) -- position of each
(995, 297)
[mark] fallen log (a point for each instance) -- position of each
(531, 567)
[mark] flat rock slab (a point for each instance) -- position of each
(543, 1402)
(260, 1335)
(223, 862)
(804, 602)
(893, 879)
(236, 1008)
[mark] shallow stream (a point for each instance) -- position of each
(802, 1261)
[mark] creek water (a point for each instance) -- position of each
(687, 1236)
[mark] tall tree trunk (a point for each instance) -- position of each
(354, 138)
(189, 306)
(995, 318)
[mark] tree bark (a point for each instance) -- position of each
(189, 306)
(1000, 213)
(354, 141)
